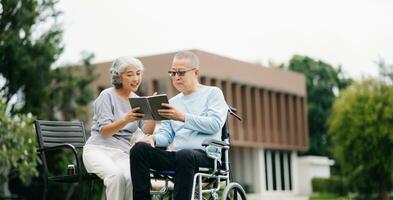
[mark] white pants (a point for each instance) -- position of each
(113, 167)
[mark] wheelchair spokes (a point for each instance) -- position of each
(233, 191)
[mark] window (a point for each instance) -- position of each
(278, 166)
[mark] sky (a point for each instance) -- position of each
(353, 34)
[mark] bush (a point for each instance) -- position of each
(332, 185)
(18, 153)
(361, 130)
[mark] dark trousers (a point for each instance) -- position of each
(185, 163)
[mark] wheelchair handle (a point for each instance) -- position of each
(232, 111)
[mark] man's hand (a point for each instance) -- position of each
(171, 113)
(149, 140)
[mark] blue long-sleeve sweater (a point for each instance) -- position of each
(205, 114)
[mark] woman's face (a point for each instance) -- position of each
(131, 78)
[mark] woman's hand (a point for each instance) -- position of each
(133, 115)
(171, 112)
(112, 128)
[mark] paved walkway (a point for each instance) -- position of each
(275, 197)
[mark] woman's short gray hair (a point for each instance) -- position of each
(120, 65)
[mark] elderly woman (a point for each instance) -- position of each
(106, 152)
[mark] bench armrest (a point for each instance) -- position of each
(64, 146)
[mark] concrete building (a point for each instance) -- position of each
(272, 103)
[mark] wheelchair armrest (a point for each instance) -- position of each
(162, 148)
(219, 143)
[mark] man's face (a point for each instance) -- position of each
(183, 75)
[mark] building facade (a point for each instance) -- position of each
(271, 102)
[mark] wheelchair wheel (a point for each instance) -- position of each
(167, 196)
(234, 191)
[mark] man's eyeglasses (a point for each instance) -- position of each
(172, 73)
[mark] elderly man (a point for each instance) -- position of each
(197, 113)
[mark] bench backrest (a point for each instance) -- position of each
(52, 133)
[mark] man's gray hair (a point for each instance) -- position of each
(120, 65)
(189, 55)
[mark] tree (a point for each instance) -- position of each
(323, 83)
(69, 93)
(385, 71)
(30, 42)
(27, 50)
(361, 127)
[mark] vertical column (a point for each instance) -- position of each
(241, 172)
(286, 171)
(262, 175)
(248, 168)
(295, 172)
(291, 117)
(267, 117)
(234, 161)
(247, 102)
(213, 82)
(239, 104)
(221, 85)
(256, 173)
(150, 86)
(278, 170)
(269, 170)
(305, 122)
(279, 121)
(207, 81)
(226, 90)
(202, 80)
(284, 119)
(258, 110)
(254, 131)
(299, 122)
(156, 87)
(295, 123)
(274, 117)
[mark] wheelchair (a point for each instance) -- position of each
(208, 183)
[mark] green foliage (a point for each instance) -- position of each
(361, 127)
(385, 71)
(328, 196)
(332, 185)
(18, 156)
(323, 82)
(30, 41)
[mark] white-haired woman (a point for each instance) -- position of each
(106, 152)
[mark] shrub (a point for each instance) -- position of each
(18, 153)
(332, 185)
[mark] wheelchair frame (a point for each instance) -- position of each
(214, 149)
